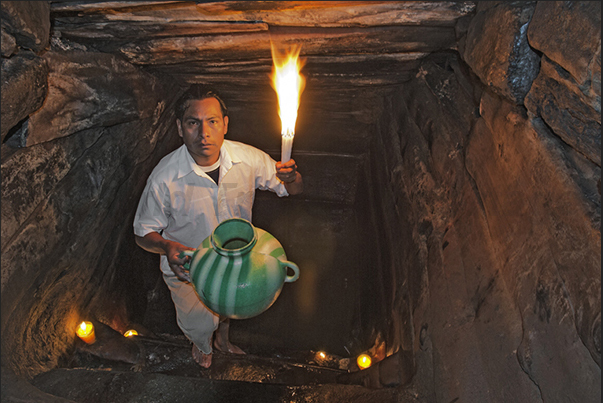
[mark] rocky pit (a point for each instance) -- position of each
(450, 224)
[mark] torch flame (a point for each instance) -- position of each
(288, 84)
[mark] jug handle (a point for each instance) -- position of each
(184, 253)
(293, 266)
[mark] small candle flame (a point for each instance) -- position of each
(130, 333)
(288, 84)
(364, 361)
(85, 331)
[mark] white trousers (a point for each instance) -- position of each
(195, 320)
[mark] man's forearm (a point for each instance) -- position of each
(295, 187)
(152, 242)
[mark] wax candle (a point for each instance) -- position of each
(286, 145)
(85, 331)
(130, 333)
(363, 361)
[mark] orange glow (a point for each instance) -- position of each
(288, 84)
(363, 361)
(85, 331)
(321, 355)
(130, 333)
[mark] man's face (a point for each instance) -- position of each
(203, 128)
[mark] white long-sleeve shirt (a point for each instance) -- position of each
(185, 205)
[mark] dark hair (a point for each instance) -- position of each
(198, 92)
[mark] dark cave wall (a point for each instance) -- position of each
(492, 212)
(74, 251)
(71, 177)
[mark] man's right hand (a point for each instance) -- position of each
(155, 243)
(173, 252)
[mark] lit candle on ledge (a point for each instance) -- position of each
(363, 361)
(288, 84)
(85, 331)
(130, 333)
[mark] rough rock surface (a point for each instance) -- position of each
(542, 235)
(86, 90)
(28, 22)
(24, 88)
(333, 36)
(506, 214)
(16, 389)
(457, 329)
(122, 387)
(570, 109)
(497, 50)
(65, 227)
(569, 33)
(41, 168)
(9, 44)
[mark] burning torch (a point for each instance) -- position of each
(288, 84)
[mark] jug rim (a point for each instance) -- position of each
(251, 238)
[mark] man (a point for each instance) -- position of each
(204, 182)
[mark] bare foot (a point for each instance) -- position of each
(201, 358)
(227, 347)
(221, 342)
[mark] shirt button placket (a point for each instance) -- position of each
(221, 204)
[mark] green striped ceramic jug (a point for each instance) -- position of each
(239, 270)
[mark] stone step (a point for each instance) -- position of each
(103, 386)
(169, 374)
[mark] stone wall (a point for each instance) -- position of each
(494, 173)
(81, 130)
